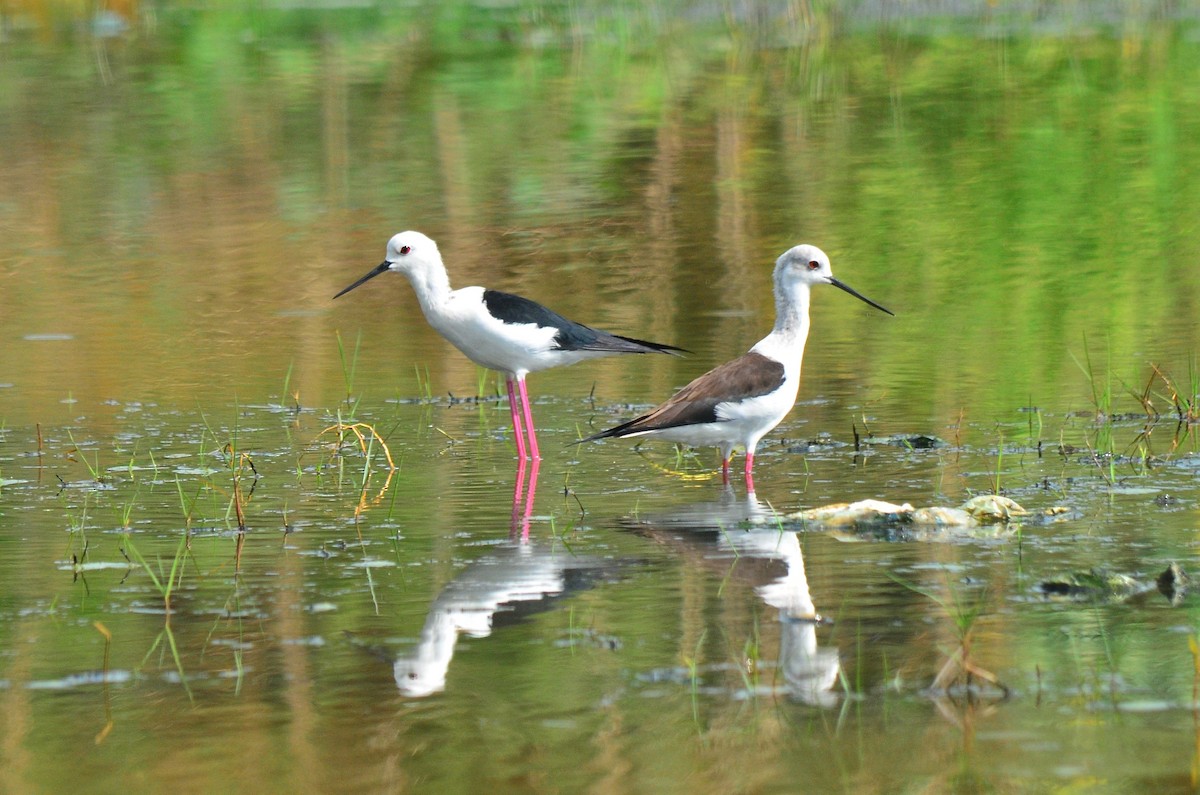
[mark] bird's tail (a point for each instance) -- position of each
(652, 347)
(611, 433)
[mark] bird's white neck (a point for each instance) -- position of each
(432, 286)
(786, 341)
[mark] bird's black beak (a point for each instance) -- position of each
(832, 281)
(383, 266)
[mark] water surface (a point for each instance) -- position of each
(182, 200)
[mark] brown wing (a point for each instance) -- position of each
(749, 375)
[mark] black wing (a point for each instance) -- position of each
(569, 336)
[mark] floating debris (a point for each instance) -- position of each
(1092, 584)
(993, 508)
(49, 337)
(823, 442)
(985, 509)
(840, 514)
(98, 565)
(911, 441)
(81, 680)
(373, 563)
(944, 516)
(1173, 583)
(902, 521)
(1101, 585)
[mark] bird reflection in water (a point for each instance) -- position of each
(744, 528)
(514, 580)
(522, 510)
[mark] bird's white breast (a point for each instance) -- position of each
(765, 410)
(741, 422)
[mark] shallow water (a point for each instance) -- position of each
(182, 201)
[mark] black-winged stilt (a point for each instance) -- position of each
(496, 330)
(737, 403)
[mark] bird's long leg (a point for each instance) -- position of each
(749, 471)
(726, 456)
(518, 433)
(533, 445)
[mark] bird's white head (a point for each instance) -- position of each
(411, 252)
(802, 264)
(417, 257)
(806, 265)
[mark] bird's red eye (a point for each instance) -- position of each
(405, 249)
(813, 265)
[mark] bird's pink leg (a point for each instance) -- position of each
(749, 472)
(518, 433)
(533, 445)
(725, 469)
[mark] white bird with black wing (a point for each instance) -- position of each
(739, 402)
(497, 330)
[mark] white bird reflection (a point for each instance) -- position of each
(501, 580)
(810, 671)
(745, 528)
(518, 578)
